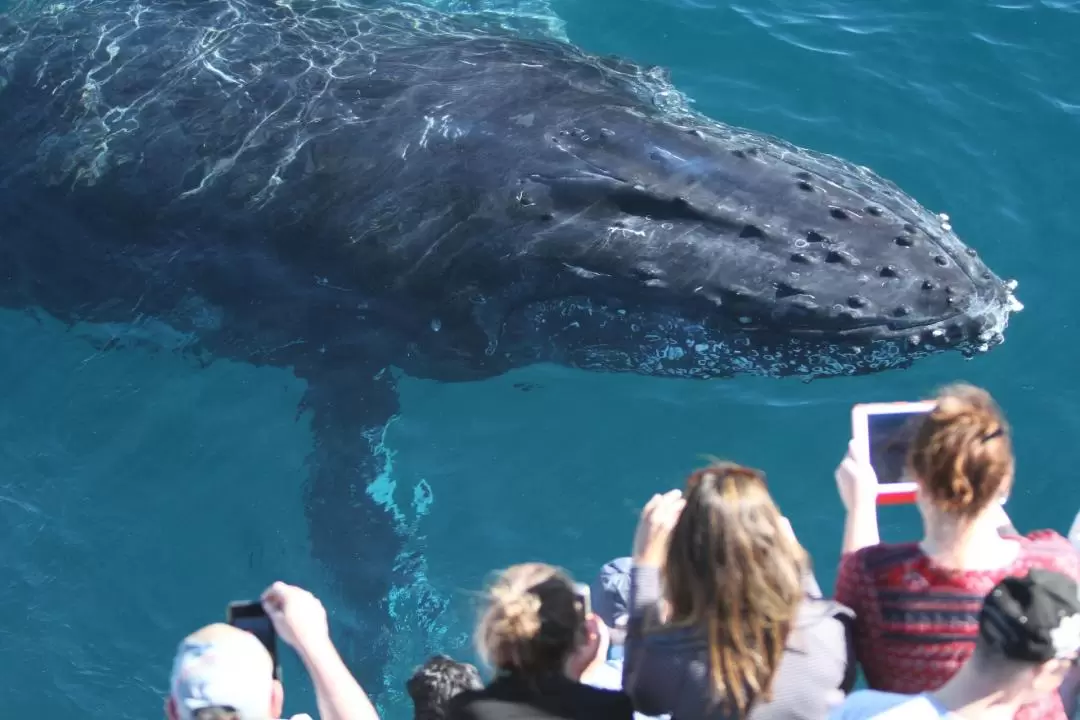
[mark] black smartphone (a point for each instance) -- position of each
(251, 617)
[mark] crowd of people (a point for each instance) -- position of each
(716, 613)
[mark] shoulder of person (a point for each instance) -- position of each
(882, 557)
(822, 618)
(1047, 537)
(466, 703)
(614, 703)
(1049, 547)
(606, 676)
(821, 628)
(818, 609)
(679, 639)
(869, 703)
(459, 706)
(601, 694)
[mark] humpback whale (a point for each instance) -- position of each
(356, 192)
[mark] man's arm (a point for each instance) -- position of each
(337, 693)
(300, 620)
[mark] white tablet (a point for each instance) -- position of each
(884, 431)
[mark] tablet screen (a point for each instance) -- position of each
(890, 436)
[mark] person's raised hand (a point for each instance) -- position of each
(856, 480)
(298, 616)
(654, 528)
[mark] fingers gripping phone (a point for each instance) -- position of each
(883, 432)
(251, 616)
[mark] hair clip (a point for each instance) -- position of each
(997, 433)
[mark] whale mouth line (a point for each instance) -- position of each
(888, 326)
(638, 200)
(864, 331)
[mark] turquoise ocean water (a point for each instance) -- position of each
(138, 494)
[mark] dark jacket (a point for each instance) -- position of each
(509, 697)
(667, 670)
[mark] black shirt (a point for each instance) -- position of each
(510, 697)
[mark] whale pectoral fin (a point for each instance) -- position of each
(354, 531)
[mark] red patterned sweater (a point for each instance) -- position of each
(916, 623)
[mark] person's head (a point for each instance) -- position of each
(1029, 635)
(610, 594)
(961, 455)
(735, 570)
(533, 622)
(436, 681)
(223, 672)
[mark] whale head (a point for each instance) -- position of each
(700, 250)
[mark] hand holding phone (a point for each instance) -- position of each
(251, 616)
(594, 650)
(881, 435)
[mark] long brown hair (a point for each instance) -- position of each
(961, 455)
(734, 570)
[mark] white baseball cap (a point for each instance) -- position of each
(223, 666)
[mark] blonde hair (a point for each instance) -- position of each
(961, 454)
(734, 570)
(532, 622)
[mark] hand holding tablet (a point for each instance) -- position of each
(855, 480)
(882, 433)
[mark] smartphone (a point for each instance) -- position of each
(251, 617)
(584, 598)
(884, 431)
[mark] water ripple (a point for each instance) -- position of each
(106, 464)
(1072, 108)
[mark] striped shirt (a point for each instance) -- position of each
(916, 623)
